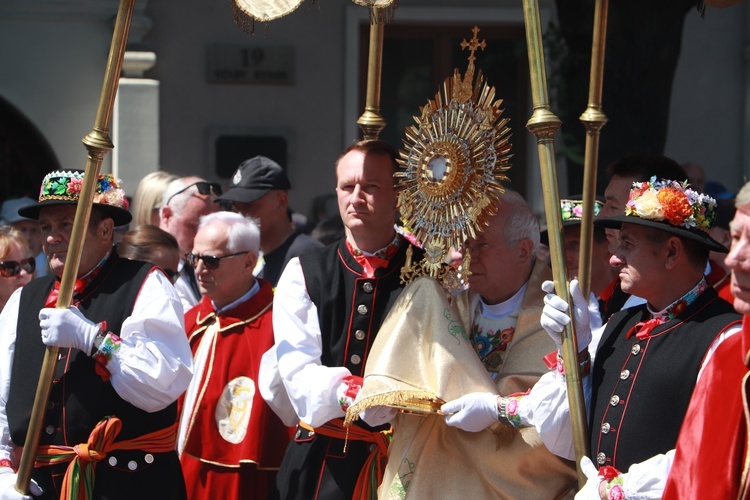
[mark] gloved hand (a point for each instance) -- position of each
(555, 315)
(471, 412)
(591, 490)
(378, 415)
(8, 486)
(67, 328)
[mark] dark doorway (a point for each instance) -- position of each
(25, 155)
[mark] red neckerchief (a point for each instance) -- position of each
(79, 286)
(643, 329)
(371, 263)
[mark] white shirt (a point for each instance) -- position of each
(150, 370)
(292, 376)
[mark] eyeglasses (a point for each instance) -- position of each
(172, 275)
(204, 188)
(11, 268)
(210, 261)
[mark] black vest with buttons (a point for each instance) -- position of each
(79, 398)
(351, 308)
(641, 388)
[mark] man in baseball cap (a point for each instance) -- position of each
(259, 190)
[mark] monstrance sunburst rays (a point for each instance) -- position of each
(454, 161)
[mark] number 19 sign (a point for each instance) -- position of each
(250, 64)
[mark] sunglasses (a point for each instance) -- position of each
(203, 187)
(11, 268)
(210, 261)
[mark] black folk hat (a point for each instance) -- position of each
(669, 206)
(254, 178)
(63, 187)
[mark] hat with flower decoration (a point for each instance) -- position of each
(63, 187)
(571, 210)
(669, 206)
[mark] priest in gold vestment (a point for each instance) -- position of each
(484, 342)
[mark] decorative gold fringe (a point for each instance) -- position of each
(403, 399)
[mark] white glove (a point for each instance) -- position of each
(378, 415)
(471, 412)
(67, 328)
(8, 486)
(555, 315)
(590, 490)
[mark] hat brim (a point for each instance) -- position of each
(120, 216)
(242, 195)
(697, 235)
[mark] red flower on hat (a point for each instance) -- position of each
(74, 186)
(675, 205)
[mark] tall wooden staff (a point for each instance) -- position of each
(593, 119)
(98, 144)
(544, 124)
(372, 122)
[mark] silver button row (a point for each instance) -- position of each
(601, 458)
(615, 400)
(355, 359)
(624, 374)
(132, 464)
(635, 349)
(359, 335)
(606, 428)
(367, 287)
(362, 309)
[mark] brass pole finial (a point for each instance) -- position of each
(544, 124)
(372, 122)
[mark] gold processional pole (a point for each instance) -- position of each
(593, 119)
(371, 122)
(544, 124)
(98, 144)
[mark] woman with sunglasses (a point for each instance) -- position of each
(16, 263)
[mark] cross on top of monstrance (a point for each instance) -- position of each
(462, 88)
(473, 45)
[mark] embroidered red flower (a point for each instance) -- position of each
(616, 493)
(74, 186)
(675, 205)
(678, 307)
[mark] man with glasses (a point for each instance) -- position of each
(123, 359)
(259, 190)
(231, 443)
(185, 200)
(328, 307)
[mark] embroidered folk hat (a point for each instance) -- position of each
(254, 178)
(63, 187)
(571, 210)
(669, 206)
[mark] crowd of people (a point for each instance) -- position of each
(212, 349)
